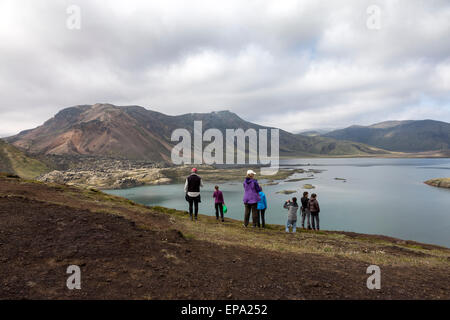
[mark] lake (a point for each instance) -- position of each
(380, 196)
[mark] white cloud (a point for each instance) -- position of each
(295, 64)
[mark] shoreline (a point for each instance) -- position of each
(113, 177)
(351, 234)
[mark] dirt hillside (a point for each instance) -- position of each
(129, 251)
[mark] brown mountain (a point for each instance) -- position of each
(136, 133)
(98, 130)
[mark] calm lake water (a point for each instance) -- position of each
(380, 196)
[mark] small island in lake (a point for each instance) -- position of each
(299, 179)
(287, 192)
(439, 182)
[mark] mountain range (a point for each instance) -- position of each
(136, 133)
(400, 136)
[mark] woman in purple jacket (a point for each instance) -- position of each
(251, 198)
(218, 202)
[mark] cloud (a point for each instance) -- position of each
(295, 64)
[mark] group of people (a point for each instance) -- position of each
(255, 203)
(309, 211)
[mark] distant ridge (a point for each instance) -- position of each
(401, 136)
(314, 133)
(390, 124)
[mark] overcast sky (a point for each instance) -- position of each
(297, 65)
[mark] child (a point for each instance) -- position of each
(314, 208)
(292, 214)
(219, 202)
(262, 206)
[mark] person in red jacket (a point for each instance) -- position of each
(219, 202)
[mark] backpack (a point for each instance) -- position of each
(313, 206)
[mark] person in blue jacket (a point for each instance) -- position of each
(262, 206)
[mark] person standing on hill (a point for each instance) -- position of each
(314, 208)
(218, 202)
(292, 207)
(305, 211)
(251, 198)
(192, 189)
(262, 206)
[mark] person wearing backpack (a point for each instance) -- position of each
(292, 207)
(305, 211)
(314, 208)
(262, 206)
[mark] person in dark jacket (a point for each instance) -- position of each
(218, 202)
(314, 208)
(305, 211)
(192, 189)
(251, 198)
